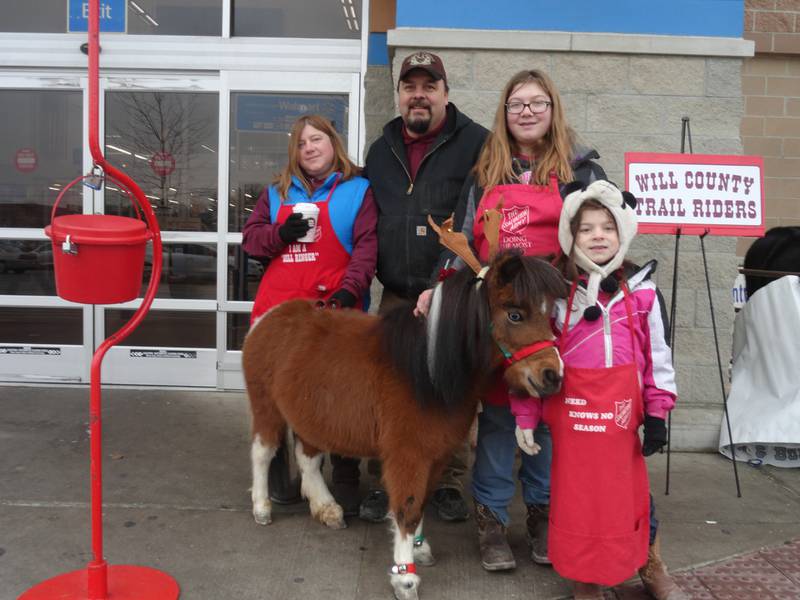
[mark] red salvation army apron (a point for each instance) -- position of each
(599, 511)
(304, 270)
(530, 218)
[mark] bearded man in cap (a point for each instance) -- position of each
(416, 168)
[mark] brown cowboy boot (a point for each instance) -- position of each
(496, 554)
(587, 591)
(538, 524)
(657, 581)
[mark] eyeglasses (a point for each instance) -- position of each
(536, 107)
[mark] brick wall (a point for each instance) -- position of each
(771, 122)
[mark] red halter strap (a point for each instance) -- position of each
(527, 351)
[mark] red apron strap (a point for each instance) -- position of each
(628, 309)
(565, 329)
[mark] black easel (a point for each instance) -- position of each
(686, 134)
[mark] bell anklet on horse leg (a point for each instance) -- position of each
(403, 576)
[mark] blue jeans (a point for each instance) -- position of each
(493, 483)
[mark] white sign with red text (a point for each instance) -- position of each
(697, 193)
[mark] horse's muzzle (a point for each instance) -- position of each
(551, 383)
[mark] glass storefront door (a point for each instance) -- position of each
(202, 148)
(42, 338)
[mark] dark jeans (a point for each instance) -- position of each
(653, 521)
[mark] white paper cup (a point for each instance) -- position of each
(310, 213)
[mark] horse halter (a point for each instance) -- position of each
(523, 352)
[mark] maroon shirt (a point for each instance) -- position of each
(417, 148)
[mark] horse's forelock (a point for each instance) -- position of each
(537, 283)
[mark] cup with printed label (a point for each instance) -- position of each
(310, 213)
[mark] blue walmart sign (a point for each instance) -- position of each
(113, 15)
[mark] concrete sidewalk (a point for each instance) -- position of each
(176, 478)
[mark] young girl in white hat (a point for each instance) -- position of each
(618, 375)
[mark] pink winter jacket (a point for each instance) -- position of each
(607, 342)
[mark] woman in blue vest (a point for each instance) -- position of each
(338, 266)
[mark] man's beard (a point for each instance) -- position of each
(419, 125)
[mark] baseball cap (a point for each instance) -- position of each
(427, 61)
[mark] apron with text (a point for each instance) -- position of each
(599, 512)
(311, 270)
(530, 218)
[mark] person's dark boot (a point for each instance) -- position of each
(450, 505)
(496, 554)
(655, 577)
(345, 476)
(538, 524)
(283, 488)
(374, 507)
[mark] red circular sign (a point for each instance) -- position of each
(25, 160)
(162, 163)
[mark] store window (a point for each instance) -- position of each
(290, 18)
(44, 16)
(167, 142)
(41, 152)
(40, 326)
(175, 17)
(26, 268)
(166, 328)
(139, 17)
(187, 271)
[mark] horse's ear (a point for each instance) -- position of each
(509, 267)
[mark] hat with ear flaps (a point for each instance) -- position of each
(621, 205)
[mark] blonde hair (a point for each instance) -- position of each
(341, 162)
(494, 166)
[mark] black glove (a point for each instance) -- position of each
(655, 435)
(341, 299)
(293, 228)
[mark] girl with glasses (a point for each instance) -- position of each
(529, 155)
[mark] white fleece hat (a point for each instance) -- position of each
(621, 206)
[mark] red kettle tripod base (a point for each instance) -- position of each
(128, 582)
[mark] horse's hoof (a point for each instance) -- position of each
(332, 516)
(262, 518)
(423, 556)
(262, 512)
(406, 587)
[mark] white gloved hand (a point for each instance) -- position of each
(525, 441)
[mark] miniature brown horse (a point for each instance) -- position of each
(401, 388)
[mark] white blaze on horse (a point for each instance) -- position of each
(400, 388)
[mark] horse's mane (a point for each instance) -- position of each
(462, 346)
